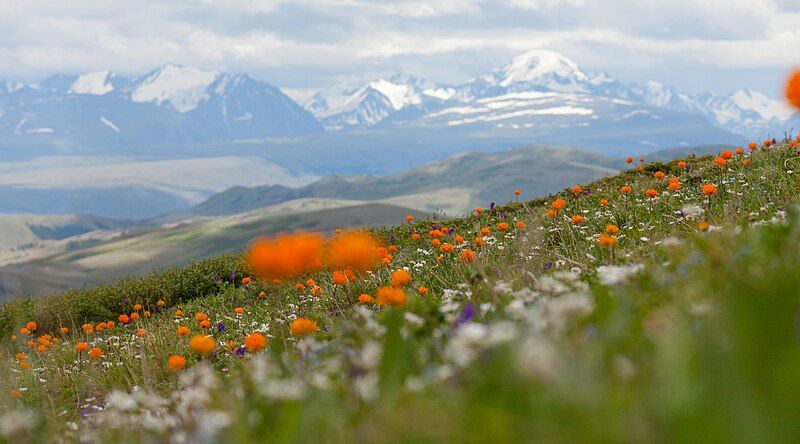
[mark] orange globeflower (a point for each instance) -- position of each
(478, 241)
(606, 240)
(31, 326)
(202, 344)
(603, 202)
(520, 225)
(286, 256)
(400, 278)
(502, 226)
(356, 250)
(485, 231)
(725, 154)
(183, 330)
(702, 225)
(681, 164)
(745, 162)
(458, 239)
(161, 303)
(577, 219)
(255, 342)
(551, 213)
(302, 327)
(641, 159)
(246, 280)
(364, 298)
(179, 313)
(239, 310)
(478, 211)
(576, 190)
(517, 192)
(123, 318)
(415, 236)
(409, 218)
(467, 256)
(659, 175)
(140, 333)
(137, 307)
(436, 242)
(793, 89)
(64, 330)
(15, 394)
(753, 146)
(625, 189)
(176, 363)
(674, 186)
(95, 353)
(339, 278)
(394, 297)
(709, 189)
(558, 204)
(446, 248)
(422, 290)
(612, 229)
(739, 151)
(205, 323)
(134, 316)
(629, 159)
(651, 193)
(720, 161)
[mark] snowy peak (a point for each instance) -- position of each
(94, 83)
(398, 95)
(541, 67)
(762, 105)
(182, 87)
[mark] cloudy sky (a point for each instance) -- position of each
(715, 45)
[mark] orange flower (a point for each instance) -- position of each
(356, 250)
(436, 242)
(183, 330)
(651, 193)
(286, 256)
(415, 236)
(140, 333)
(502, 226)
(246, 280)
(739, 151)
(603, 202)
(674, 186)
(339, 278)
(467, 256)
(745, 162)
(302, 327)
(520, 225)
(577, 219)
(606, 240)
(659, 175)
(551, 213)
(681, 164)
(24, 331)
(458, 239)
(478, 211)
(205, 323)
(720, 161)
(422, 290)
(478, 241)
(239, 310)
(123, 318)
(629, 159)
(612, 229)
(255, 342)
(21, 356)
(15, 394)
(485, 231)
(24, 365)
(793, 89)
(576, 190)
(137, 307)
(517, 192)
(64, 330)
(176, 363)
(641, 159)
(409, 218)
(364, 298)
(753, 146)
(200, 317)
(725, 154)
(161, 303)
(446, 248)
(702, 225)
(709, 189)
(400, 278)
(31, 326)
(134, 316)
(394, 297)
(202, 344)
(625, 189)
(96, 353)
(179, 313)
(558, 204)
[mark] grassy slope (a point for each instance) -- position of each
(699, 345)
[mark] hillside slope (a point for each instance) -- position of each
(659, 304)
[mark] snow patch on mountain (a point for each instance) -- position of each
(182, 87)
(94, 83)
(762, 105)
(542, 67)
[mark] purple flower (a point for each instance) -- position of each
(467, 313)
(391, 238)
(548, 265)
(233, 276)
(240, 351)
(221, 326)
(491, 206)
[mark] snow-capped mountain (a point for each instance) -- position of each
(171, 104)
(535, 85)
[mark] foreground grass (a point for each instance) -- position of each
(691, 335)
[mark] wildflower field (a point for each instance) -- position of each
(658, 305)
